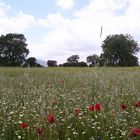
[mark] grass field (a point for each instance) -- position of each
(70, 104)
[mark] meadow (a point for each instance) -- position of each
(70, 103)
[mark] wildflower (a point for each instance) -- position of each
(91, 108)
(19, 137)
(50, 118)
(134, 132)
(98, 106)
(77, 111)
(39, 131)
(123, 106)
(24, 125)
(137, 104)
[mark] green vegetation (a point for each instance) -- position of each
(120, 50)
(69, 103)
(13, 50)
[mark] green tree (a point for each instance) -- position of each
(32, 62)
(119, 50)
(102, 60)
(73, 59)
(13, 51)
(93, 60)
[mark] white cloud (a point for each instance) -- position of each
(3, 9)
(80, 35)
(17, 23)
(54, 21)
(65, 4)
(69, 36)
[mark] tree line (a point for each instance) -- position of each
(118, 50)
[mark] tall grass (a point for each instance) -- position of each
(54, 103)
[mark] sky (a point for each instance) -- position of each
(57, 29)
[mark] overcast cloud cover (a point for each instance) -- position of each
(69, 26)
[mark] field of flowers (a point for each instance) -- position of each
(70, 104)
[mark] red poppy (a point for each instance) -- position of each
(50, 118)
(39, 131)
(77, 111)
(123, 106)
(24, 125)
(134, 132)
(98, 106)
(137, 104)
(91, 108)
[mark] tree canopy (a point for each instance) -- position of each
(13, 49)
(31, 62)
(120, 50)
(73, 59)
(93, 60)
